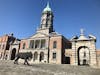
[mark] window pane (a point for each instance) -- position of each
(24, 46)
(54, 55)
(37, 42)
(31, 44)
(42, 43)
(54, 44)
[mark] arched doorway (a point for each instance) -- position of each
(41, 56)
(35, 56)
(83, 55)
(13, 53)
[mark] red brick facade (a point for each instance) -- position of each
(5, 45)
(24, 43)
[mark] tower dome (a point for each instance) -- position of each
(82, 36)
(47, 8)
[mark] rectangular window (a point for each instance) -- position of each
(37, 43)
(43, 43)
(55, 44)
(24, 45)
(31, 44)
(54, 55)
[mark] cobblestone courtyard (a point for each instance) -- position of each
(8, 68)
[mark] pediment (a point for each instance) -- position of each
(38, 35)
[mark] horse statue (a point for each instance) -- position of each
(25, 55)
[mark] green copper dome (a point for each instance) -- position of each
(47, 8)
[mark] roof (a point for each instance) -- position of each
(82, 37)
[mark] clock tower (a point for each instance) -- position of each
(46, 24)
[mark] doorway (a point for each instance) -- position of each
(67, 60)
(41, 56)
(83, 55)
(13, 53)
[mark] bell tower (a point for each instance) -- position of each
(46, 24)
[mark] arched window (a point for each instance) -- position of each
(41, 56)
(35, 56)
(55, 44)
(24, 45)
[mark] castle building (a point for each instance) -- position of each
(48, 46)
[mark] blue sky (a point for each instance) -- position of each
(22, 17)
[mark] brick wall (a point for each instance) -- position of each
(56, 50)
(24, 42)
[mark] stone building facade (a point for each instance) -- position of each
(98, 57)
(6, 42)
(83, 50)
(48, 46)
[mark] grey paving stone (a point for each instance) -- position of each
(8, 68)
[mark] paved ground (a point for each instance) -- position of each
(8, 68)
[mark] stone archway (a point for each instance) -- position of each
(35, 56)
(41, 56)
(83, 55)
(13, 53)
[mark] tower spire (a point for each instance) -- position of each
(47, 8)
(47, 20)
(82, 31)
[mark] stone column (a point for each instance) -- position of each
(46, 43)
(38, 58)
(40, 44)
(34, 44)
(45, 58)
(74, 53)
(29, 43)
(93, 54)
(9, 55)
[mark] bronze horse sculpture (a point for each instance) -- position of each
(25, 55)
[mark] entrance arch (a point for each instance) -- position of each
(83, 55)
(41, 56)
(13, 53)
